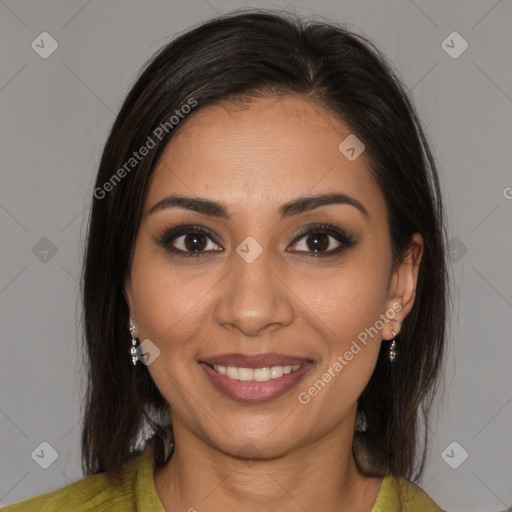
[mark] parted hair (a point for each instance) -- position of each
(235, 58)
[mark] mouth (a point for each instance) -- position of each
(263, 374)
(257, 378)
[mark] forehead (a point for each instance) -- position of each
(262, 154)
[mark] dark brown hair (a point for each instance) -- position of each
(237, 57)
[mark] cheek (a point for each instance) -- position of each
(346, 309)
(166, 302)
(168, 309)
(347, 299)
(348, 317)
(164, 310)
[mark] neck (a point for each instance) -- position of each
(319, 476)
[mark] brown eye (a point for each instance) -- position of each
(188, 240)
(318, 242)
(195, 242)
(322, 240)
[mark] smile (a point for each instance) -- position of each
(255, 374)
(254, 379)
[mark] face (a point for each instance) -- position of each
(251, 303)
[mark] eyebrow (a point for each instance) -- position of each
(295, 207)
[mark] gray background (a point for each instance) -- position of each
(55, 114)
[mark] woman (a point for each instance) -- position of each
(264, 284)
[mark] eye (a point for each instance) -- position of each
(195, 241)
(322, 240)
(188, 241)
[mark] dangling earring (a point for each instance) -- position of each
(133, 350)
(393, 351)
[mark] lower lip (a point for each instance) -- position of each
(254, 391)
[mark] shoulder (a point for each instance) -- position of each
(414, 498)
(395, 494)
(400, 495)
(92, 493)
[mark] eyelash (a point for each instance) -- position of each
(346, 240)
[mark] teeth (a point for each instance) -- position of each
(276, 372)
(241, 373)
(232, 372)
(256, 374)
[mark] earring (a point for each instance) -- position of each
(393, 351)
(133, 350)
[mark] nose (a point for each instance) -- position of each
(253, 298)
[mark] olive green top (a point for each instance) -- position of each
(138, 494)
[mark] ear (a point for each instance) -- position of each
(402, 286)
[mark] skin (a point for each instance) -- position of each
(254, 159)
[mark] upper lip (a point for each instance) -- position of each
(254, 361)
